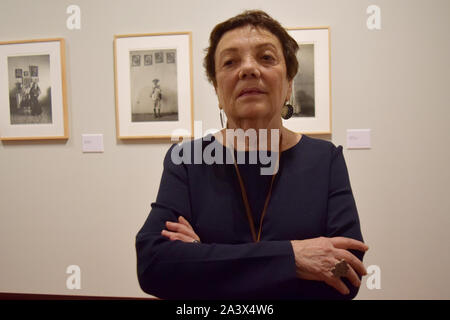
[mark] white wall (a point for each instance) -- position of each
(59, 206)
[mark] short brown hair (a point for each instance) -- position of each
(258, 19)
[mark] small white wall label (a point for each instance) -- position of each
(358, 139)
(92, 142)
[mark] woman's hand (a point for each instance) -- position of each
(315, 259)
(180, 230)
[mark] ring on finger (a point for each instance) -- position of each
(340, 269)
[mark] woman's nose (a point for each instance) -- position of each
(249, 69)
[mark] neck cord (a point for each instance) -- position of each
(256, 238)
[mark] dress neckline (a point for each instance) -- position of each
(300, 142)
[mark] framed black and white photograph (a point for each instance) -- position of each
(33, 90)
(311, 90)
(154, 99)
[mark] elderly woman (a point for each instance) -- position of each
(225, 231)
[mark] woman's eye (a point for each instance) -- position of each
(228, 62)
(267, 57)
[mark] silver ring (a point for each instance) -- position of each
(195, 241)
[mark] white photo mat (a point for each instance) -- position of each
(57, 129)
(321, 122)
(123, 45)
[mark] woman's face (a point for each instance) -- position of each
(251, 78)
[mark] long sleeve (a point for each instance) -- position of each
(174, 270)
(342, 215)
(311, 197)
(329, 176)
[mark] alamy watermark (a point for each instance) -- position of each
(188, 152)
(374, 279)
(74, 280)
(73, 22)
(374, 20)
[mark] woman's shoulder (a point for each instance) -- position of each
(314, 150)
(315, 144)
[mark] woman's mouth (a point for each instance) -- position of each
(250, 92)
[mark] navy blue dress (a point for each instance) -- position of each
(311, 197)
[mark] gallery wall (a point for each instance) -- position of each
(61, 207)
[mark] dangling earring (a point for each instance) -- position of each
(287, 110)
(221, 117)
